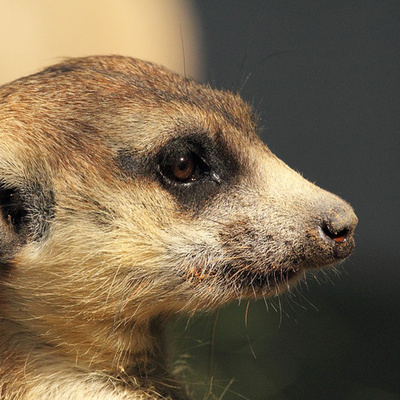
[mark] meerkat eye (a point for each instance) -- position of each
(183, 168)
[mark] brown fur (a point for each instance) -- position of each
(98, 247)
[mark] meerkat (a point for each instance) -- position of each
(129, 195)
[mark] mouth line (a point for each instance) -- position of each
(246, 280)
(262, 279)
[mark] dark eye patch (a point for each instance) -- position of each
(184, 162)
(214, 168)
(193, 167)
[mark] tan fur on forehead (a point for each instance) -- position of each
(133, 83)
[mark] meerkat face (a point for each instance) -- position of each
(126, 188)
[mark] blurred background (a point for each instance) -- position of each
(324, 76)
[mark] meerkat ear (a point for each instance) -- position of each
(12, 220)
(13, 209)
(25, 214)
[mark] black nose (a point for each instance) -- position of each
(337, 231)
(337, 235)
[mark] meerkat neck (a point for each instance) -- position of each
(112, 347)
(128, 354)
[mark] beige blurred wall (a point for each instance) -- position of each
(34, 34)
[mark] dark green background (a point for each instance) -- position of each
(325, 77)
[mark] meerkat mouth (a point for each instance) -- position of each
(261, 281)
(247, 280)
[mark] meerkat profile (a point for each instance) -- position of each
(129, 194)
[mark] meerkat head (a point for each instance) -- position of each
(127, 191)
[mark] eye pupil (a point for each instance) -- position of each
(182, 163)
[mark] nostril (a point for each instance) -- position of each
(336, 229)
(339, 237)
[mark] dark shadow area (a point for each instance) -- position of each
(324, 76)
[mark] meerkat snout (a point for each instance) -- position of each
(129, 194)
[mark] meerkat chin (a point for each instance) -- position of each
(129, 194)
